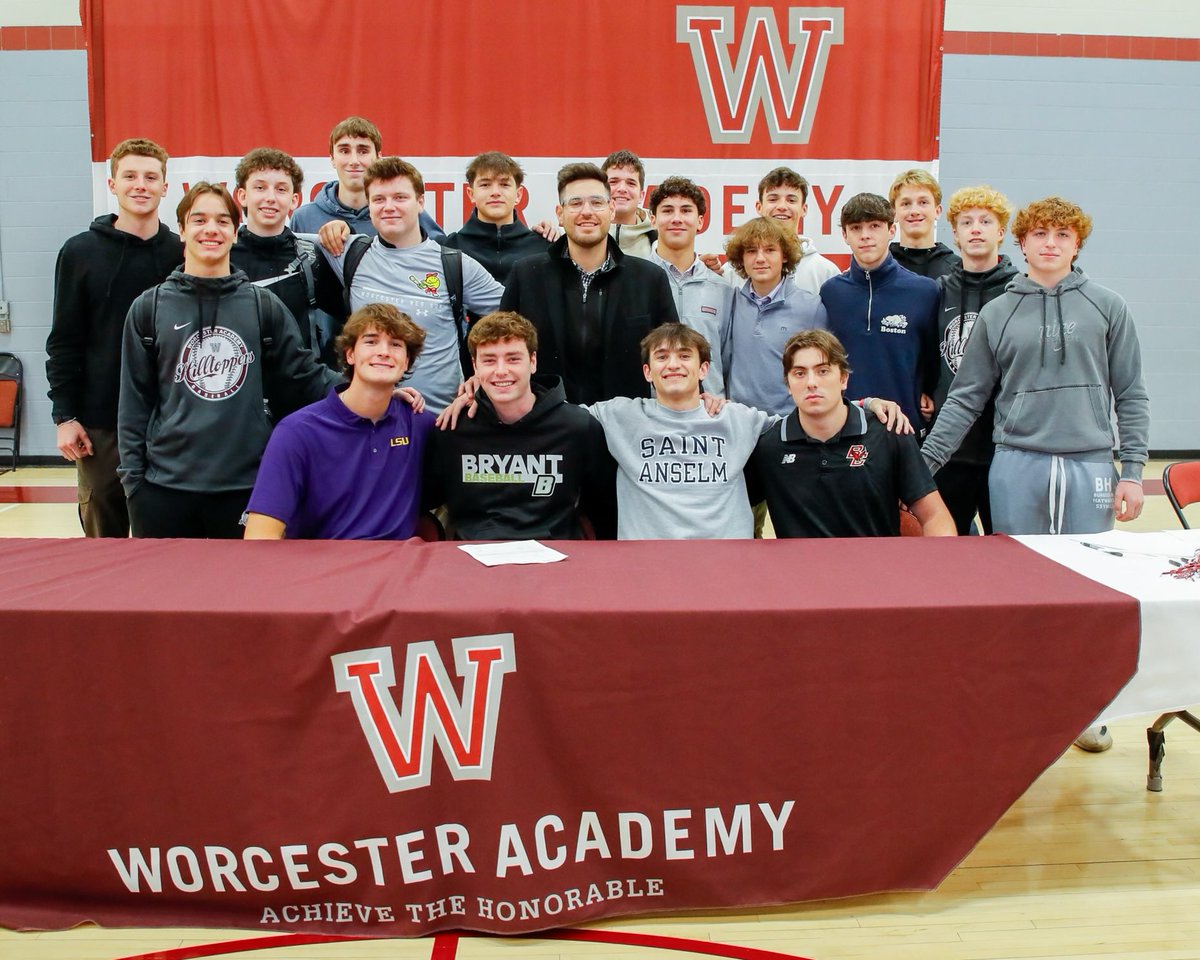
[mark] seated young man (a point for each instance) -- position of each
(528, 462)
(348, 467)
(829, 470)
(679, 469)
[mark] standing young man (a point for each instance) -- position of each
(354, 144)
(703, 301)
(783, 197)
(201, 353)
(403, 266)
(528, 463)
(591, 304)
(1058, 351)
(631, 225)
(98, 275)
(493, 235)
(828, 469)
(884, 315)
(767, 311)
(978, 217)
(349, 467)
(268, 252)
(917, 199)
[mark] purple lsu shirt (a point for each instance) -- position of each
(329, 474)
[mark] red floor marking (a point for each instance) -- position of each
(38, 495)
(240, 946)
(445, 946)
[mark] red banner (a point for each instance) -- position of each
(838, 79)
(391, 740)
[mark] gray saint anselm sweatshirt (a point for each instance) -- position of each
(680, 472)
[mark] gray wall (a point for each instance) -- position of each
(1122, 139)
(45, 197)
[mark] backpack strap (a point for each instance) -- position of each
(151, 342)
(304, 263)
(357, 249)
(452, 269)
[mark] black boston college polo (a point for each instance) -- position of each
(847, 486)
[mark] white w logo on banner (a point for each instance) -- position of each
(402, 740)
(733, 91)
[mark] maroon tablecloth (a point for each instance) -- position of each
(204, 734)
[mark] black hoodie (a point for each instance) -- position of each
(516, 481)
(496, 248)
(931, 262)
(963, 295)
(281, 260)
(200, 355)
(99, 273)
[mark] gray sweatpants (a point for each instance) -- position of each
(1040, 493)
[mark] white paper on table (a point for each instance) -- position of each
(512, 551)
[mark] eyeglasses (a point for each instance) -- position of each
(575, 204)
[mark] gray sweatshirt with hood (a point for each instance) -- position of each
(1061, 357)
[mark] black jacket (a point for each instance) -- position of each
(963, 296)
(496, 248)
(932, 262)
(633, 297)
(516, 481)
(282, 259)
(99, 273)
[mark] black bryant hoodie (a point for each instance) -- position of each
(963, 296)
(99, 274)
(931, 262)
(497, 479)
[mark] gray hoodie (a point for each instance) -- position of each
(1062, 357)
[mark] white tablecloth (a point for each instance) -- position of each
(1168, 676)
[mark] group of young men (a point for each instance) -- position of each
(625, 384)
(244, 379)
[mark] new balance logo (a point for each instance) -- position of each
(761, 76)
(464, 728)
